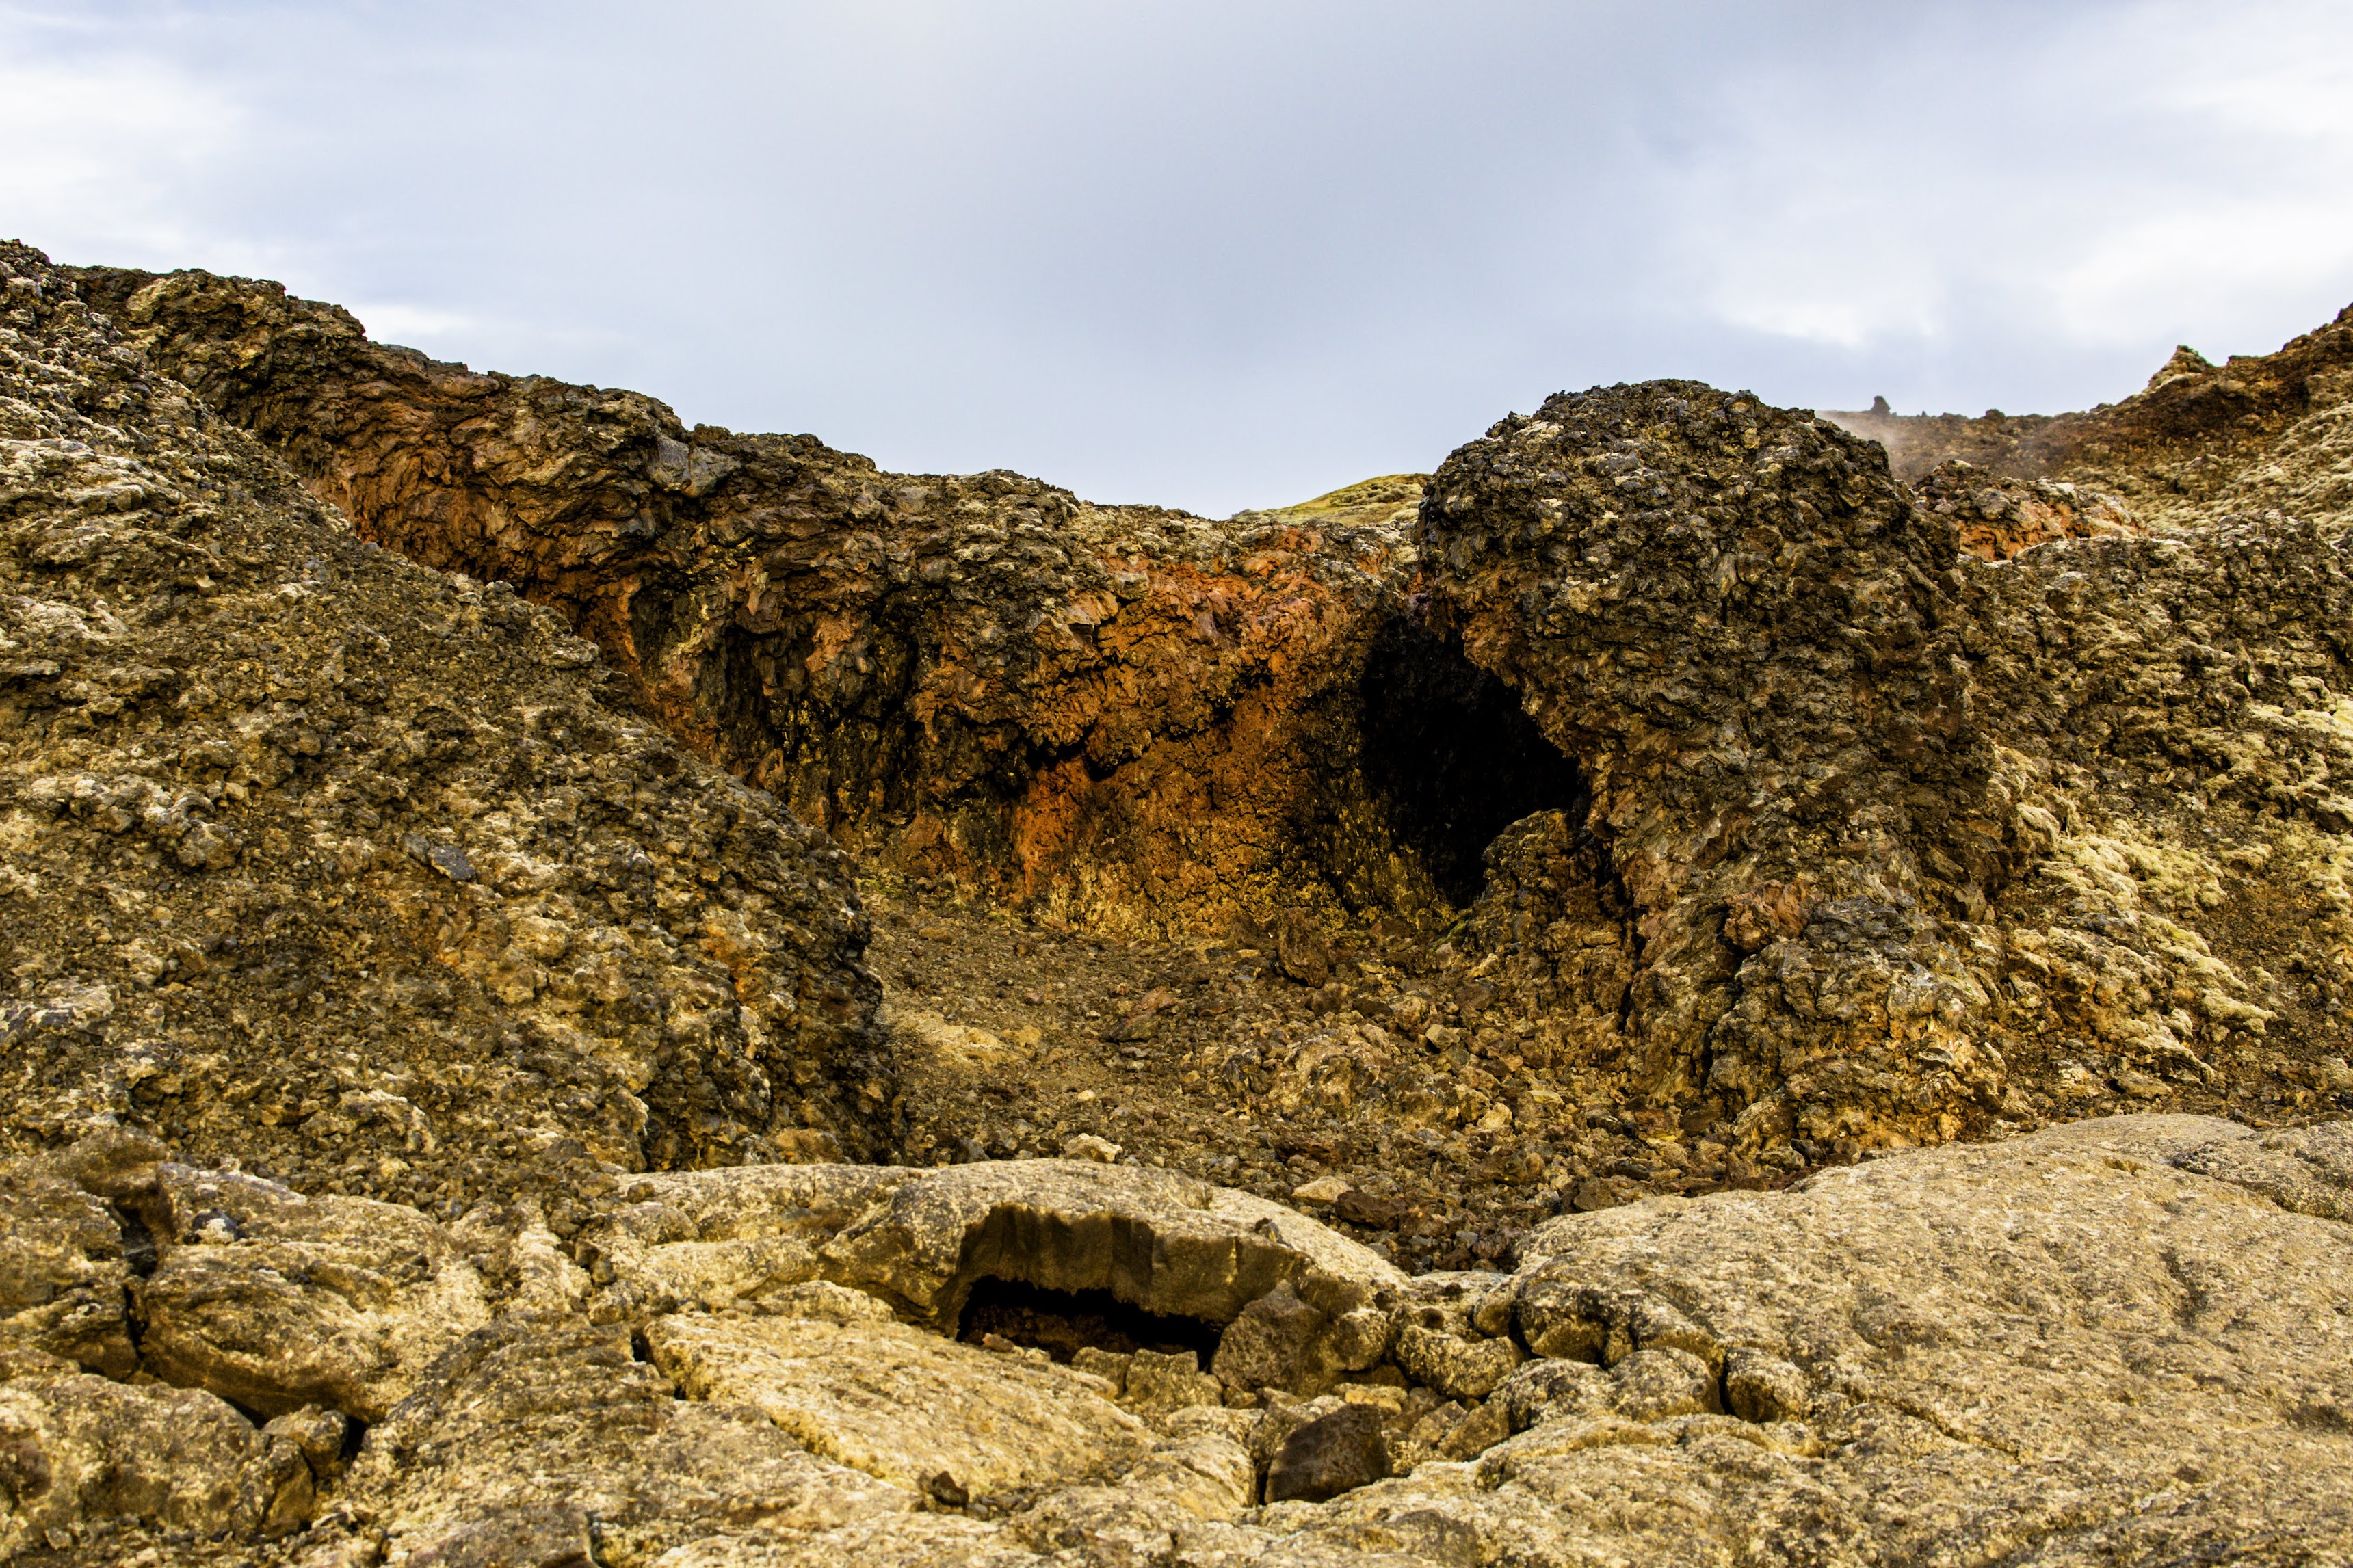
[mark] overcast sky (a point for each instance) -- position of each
(1214, 254)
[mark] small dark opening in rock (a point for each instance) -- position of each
(138, 1242)
(1449, 754)
(1063, 1322)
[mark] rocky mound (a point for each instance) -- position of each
(348, 870)
(1894, 820)
(2110, 1343)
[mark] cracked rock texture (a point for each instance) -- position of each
(2118, 1341)
(347, 870)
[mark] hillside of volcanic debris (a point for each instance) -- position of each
(1761, 807)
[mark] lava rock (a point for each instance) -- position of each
(1331, 1454)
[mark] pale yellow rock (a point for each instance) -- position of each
(964, 1045)
(1322, 1192)
(281, 1301)
(901, 1405)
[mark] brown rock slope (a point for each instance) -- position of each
(318, 861)
(2119, 1342)
(1121, 713)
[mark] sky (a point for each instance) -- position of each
(1218, 254)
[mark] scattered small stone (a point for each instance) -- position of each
(1320, 1192)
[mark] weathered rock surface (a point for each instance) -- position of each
(81, 1457)
(1844, 740)
(2120, 1340)
(1123, 713)
(396, 1014)
(344, 869)
(280, 1302)
(1857, 787)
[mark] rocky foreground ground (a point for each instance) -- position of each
(1664, 993)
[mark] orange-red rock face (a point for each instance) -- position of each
(1118, 714)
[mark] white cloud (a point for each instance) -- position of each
(2101, 180)
(102, 145)
(411, 324)
(1218, 254)
(2132, 273)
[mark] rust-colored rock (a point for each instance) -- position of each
(1118, 714)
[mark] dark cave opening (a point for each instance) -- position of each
(1063, 1322)
(1448, 750)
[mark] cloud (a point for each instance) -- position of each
(1218, 254)
(99, 144)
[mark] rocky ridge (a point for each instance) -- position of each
(1860, 785)
(1124, 714)
(2254, 433)
(1908, 755)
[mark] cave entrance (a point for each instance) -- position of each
(1453, 759)
(1063, 1322)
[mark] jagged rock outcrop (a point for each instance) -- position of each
(413, 1047)
(1996, 516)
(2118, 1341)
(1913, 835)
(1839, 739)
(1121, 713)
(344, 869)
(1750, 641)
(2256, 433)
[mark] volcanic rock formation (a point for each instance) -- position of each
(1824, 754)
(1834, 756)
(431, 1080)
(2112, 1341)
(1118, 712)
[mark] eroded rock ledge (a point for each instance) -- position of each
(2120, 1340)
